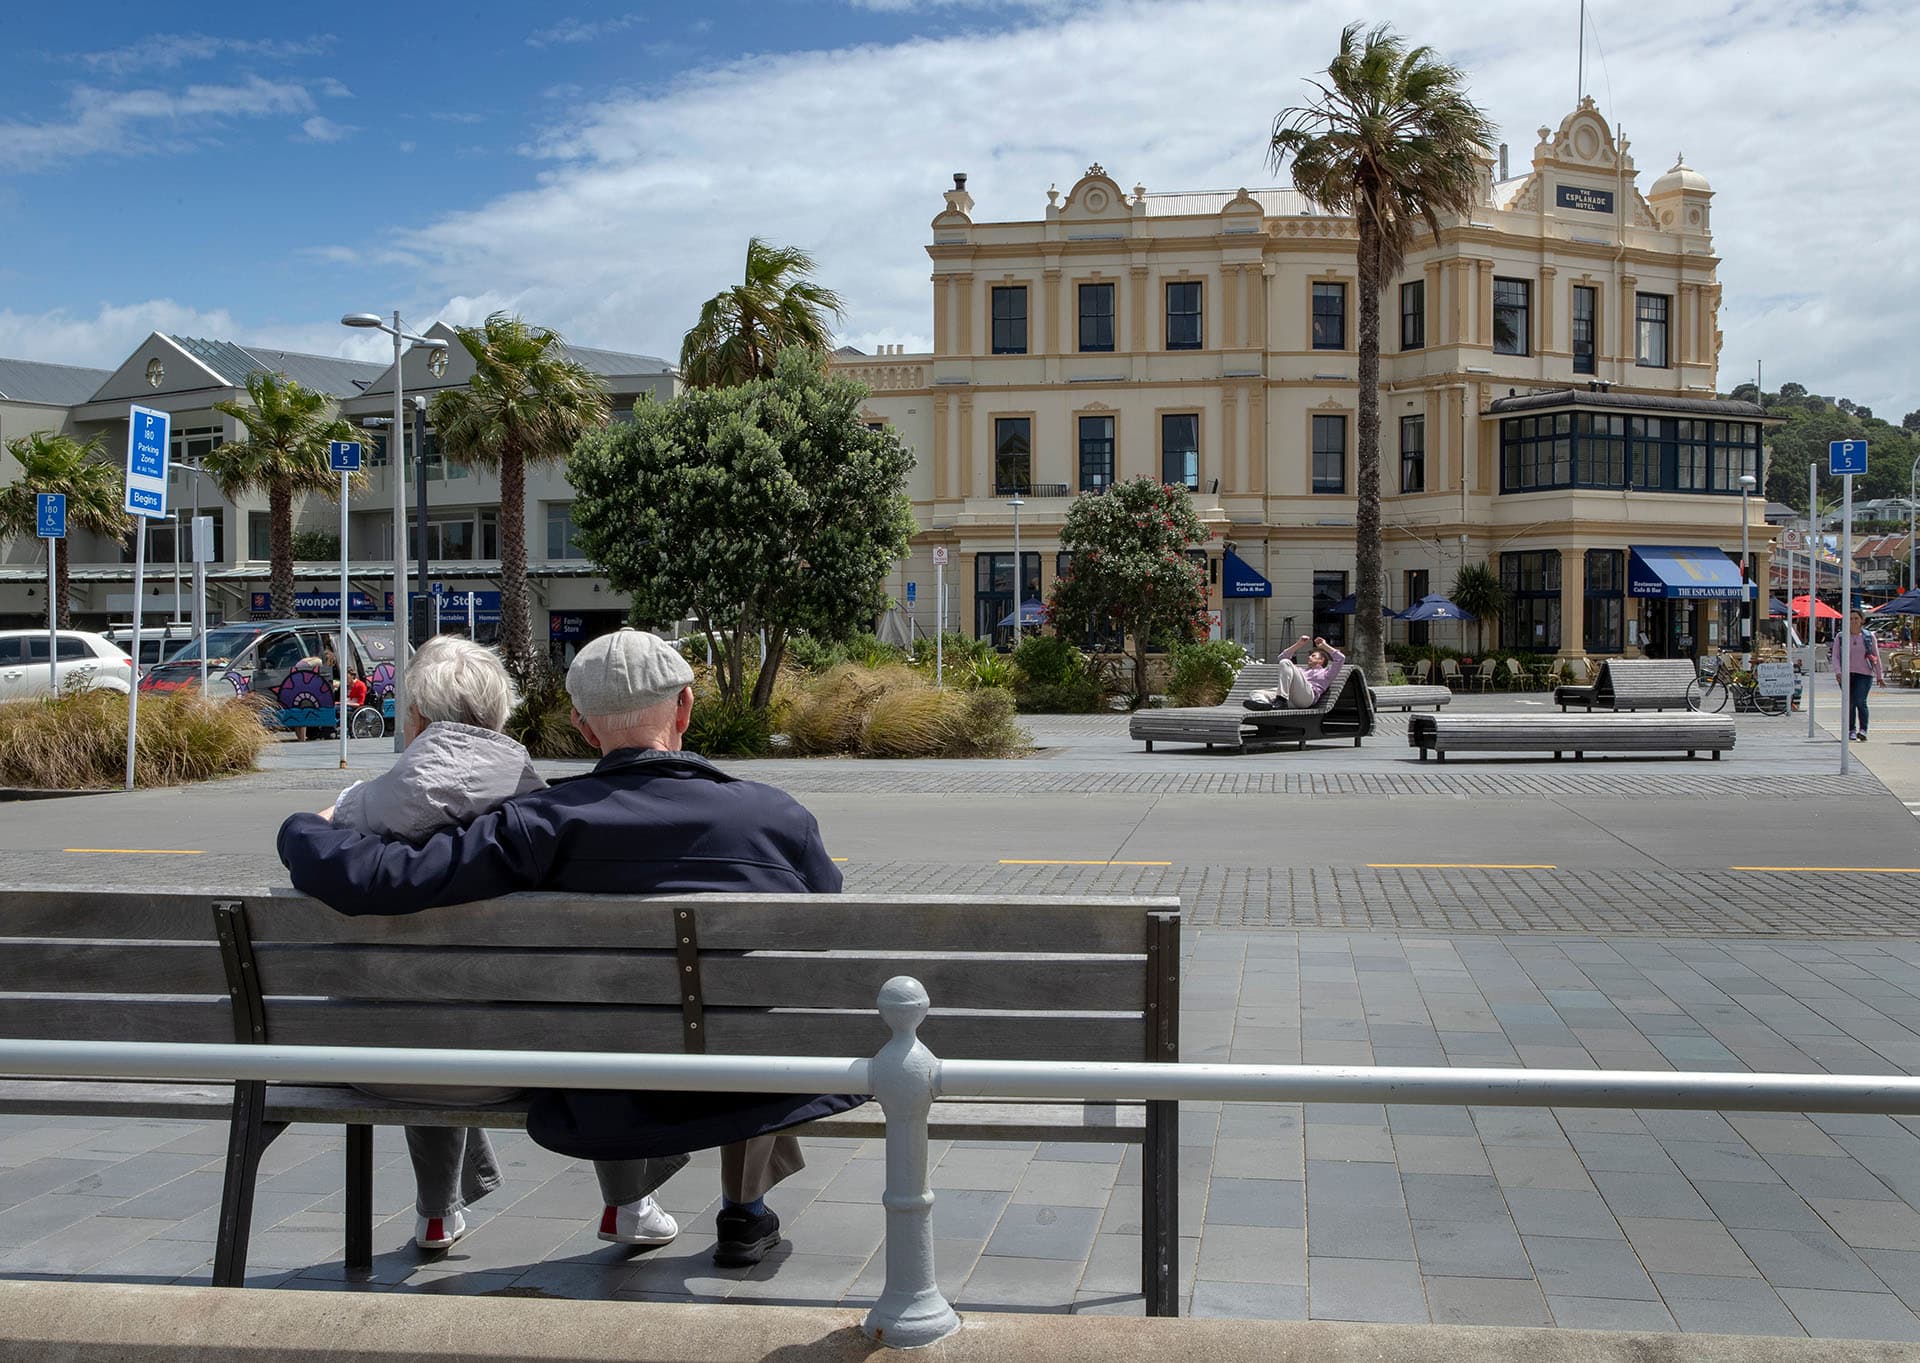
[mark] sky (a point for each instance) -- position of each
(258, 170)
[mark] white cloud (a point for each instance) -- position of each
(322, 129)
(143, 122)
(166, 51)
(575, 30)
(105, 338)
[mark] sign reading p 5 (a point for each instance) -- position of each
(147, 432)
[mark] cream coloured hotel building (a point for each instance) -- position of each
(1548, 406)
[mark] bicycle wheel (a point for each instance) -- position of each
(1708, 697)
(1769, 705)
(366, 722)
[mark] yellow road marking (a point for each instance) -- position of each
(1020, 861)
(138, 851)
(1461, 866)
(1839, 870)
(837, 858)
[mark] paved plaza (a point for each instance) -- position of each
(1347, 907)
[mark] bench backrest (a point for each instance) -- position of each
(1029, 978)
(1250, 678)
(82, 964)
(1639, 679)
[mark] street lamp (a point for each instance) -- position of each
(1747, 484)
(1019, 577)
(437, 365)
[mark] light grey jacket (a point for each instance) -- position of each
(451, 774)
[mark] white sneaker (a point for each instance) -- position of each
(644, 1222)
(437, 1232)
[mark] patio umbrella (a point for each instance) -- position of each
(1821, 610)
(1031, 613)
(1776, 608)
(1907, 603)
(1434, 607)
(1351, 602)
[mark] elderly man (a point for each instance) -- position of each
(648, 819)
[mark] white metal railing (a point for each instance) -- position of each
(906, 1078)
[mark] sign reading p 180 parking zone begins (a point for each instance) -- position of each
(147, 432)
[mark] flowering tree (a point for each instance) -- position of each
(1130, 566)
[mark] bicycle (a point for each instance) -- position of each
(1721, 680)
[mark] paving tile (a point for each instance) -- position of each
(1066, 1184)
(1622, 1153)
(41, 1176)
(1331, 1183)
(1669, 1195)
(1574, 1267)
(78, 1248)
(1812, 1258)
(1256, 1202)
(1899, 1270)
(1608, 1313)
(1452, 1197)
(840, 1229)
(1334, 1141)
(1365, 1289)
(1758, 1206)
(1249, 1301)
(1481, 1249)
(999, 1169)
(818, 1279)
(999, 1280)
(1042, 1232)
(1871, 1225)
(1675, 1245)
(26, 1222)
(1360, 1233)
(1425, 1119)
(1441, 1155)
(1486, 1301)
(1852, 1315)
(1252, 1254)
(966, 1213)
(859, 1180)
(1561, 1211)
(1811, 1176)
(1786, 1135)
(1721, 1161)
(1522, 1166)
(1725, 1306)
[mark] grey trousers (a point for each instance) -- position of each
(747, 1170)
(453, 1166)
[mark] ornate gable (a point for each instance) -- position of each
(1095, 197)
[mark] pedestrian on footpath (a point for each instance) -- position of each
(1863, 668)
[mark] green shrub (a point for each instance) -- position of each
(721, 729)
(78, 741)
(1054, 678)
(1202, 673)
(1048, 660)
(810, 654)
(542, 722)
(867, 650)
(992, 670)
(985, 726)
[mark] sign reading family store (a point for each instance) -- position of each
(1584, 199)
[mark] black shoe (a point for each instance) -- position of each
(745, 1239)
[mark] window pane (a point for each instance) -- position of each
(1180, 449)
(1585, 308)
(1329, 316)
(1413, 315)
(1012, 455)
(1096, 317)
(1010, 320)
(1650, 345)
(1512, 302)
(1329, 454)
(1096, 452)
(1329, 588)
(1184, 330)
(1413, 454)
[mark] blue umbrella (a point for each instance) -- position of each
(1351, 603)
(1031, 613)
(1907, 603)
(1434, 607)
(1776, 608)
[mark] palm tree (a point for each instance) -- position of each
(743, 329)
(284, 454)
(1478, 591)
(527, 403)
(91, 483)
(1393, 141)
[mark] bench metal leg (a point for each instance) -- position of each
(1160, 1210)
(248, 1136)
(359, 1199)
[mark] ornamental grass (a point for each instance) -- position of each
(893, 711)
(78, 741)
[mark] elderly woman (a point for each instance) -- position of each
(456, 767)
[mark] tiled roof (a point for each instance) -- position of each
(322, 373)
(618, 361)
(1723, 408)
(51, 385)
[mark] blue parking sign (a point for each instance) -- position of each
(913, 589)
(343, 456)
(50, 515)
(1846, 456)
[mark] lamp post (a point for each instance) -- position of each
(1019, 577)
(1912, 560)
(418, 634)
(1747, 483)
(437, 364)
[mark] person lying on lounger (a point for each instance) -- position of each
(1300, 687)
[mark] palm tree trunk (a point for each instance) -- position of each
(62, 596)
(280, 518)
(1369, 642)
(516, 628)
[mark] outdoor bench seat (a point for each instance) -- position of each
(1028, 978)
(1632, 684)
(1577, 734)
(1345, 710)
(1409, 697)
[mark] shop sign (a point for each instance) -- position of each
(1584, 199)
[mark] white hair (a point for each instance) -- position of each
(451, 678)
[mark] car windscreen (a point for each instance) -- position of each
(221, 643)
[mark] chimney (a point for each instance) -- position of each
(1503, 160)
(958, 200)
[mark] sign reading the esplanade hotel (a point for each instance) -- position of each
(1587, 200)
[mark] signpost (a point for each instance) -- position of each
(343, 457)
(939, 614)
(1844, 459)
(1813, 590)
(202, 556)
(146, 498)
(50, 516)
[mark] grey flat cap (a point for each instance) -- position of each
(627, 670)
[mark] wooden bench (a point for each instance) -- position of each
(1410, 697)
(1577, 734)
(1632, 684)
(1344, 710)
(1040, 978)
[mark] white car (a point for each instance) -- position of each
(83, 661)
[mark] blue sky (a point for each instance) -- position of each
(259, 170)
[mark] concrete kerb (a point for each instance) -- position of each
(45, 1322)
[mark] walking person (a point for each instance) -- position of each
(1863, 670)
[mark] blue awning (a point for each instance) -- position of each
(1689, 572)
(1238, 578)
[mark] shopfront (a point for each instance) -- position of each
(1681, 590)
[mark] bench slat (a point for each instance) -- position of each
(110, 1098)
(115, 1017)
(791, 980)
(38, 966)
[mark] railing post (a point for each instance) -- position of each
(905, 1074)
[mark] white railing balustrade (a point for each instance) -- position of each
(906, 1078)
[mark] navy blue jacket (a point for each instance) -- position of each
(641, 822)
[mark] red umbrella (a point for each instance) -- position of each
(1821, 610)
